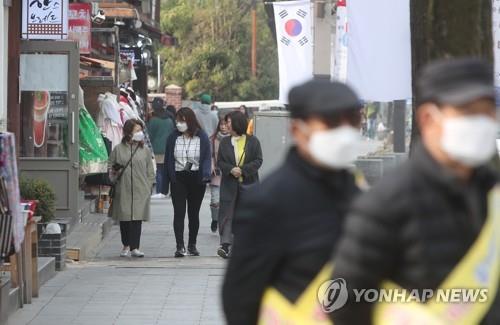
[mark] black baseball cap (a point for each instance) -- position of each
(456, 82)
(322, 98)
(158, 104)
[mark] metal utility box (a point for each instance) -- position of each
(272, 128)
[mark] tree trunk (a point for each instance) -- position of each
(441, 29)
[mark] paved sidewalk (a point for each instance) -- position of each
(157, 289)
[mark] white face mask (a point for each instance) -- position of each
(138, 136)
(182, 127)
(469, 140)
(336, 148)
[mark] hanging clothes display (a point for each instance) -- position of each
(10, 185)
(109, 120)
(127, 109)
(130, 108)
(136, 102)
(93, 154)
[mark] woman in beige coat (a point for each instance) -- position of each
(132, 170)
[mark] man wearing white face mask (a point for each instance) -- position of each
(287, 227)
(420, 227)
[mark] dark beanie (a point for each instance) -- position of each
(158, 104)
(321, 98)
(455, 82)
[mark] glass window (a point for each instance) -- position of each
(44, 105)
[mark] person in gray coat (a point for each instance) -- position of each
(131, 168)
(239, 159)
(207, 118)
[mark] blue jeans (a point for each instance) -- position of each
(159, 177)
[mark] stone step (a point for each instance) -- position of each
(46, 269)
(84, 241)
(4, 298)
(9, 299)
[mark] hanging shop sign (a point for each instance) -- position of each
(132, 54)
(45, 19)
(79, 25)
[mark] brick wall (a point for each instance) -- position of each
(53, 245)
(174, 95)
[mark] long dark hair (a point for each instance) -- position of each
(187, 115)
(217, 130)
(128, 130)
(247, 111)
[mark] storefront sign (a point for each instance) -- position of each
(45, 19)
(132, 54)
(79, 25)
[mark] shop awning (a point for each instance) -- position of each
(119, 10)
(102, 63)
(120, 13)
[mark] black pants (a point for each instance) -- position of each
(131, 233)
(187, 189)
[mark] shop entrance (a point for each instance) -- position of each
(49, 143)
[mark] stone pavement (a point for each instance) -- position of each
(158, 289)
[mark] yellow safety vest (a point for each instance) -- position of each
(478, 269)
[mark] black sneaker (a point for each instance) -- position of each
(223, 251)
(193, 251)
(181, 251)
(213, 226)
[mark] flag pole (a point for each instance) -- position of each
(254, 39)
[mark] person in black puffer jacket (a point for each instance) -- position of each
(415, 225)
(286, 228)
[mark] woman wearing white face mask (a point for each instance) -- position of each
(187, 170)
(131, 169)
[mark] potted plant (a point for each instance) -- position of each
(51, 240)
(41, 191)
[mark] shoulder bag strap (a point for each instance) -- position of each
(128, 163)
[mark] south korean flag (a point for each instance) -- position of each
(294, 37)
(292, 22)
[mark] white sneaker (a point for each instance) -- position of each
(137, 253)
(158, 196)
(124, 253)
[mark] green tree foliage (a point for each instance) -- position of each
(214, 48)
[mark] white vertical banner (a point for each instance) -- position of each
(294, 37)
(496, 44)
(379, 56)
(339, 67)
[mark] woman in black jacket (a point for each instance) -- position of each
(187, 171)
(239, 159)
